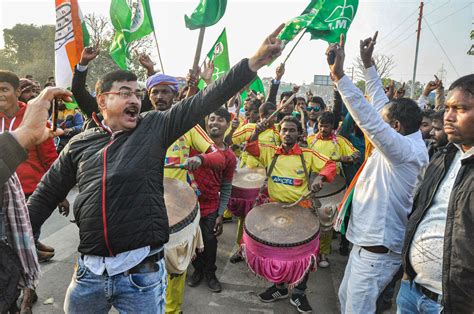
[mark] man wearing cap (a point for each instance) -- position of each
(162, 89)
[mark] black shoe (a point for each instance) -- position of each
(227, 220)
(273, 294)
(301, 303)
(236, 258)
(196, 278)
(383, 305)
(344, 250)
(212, 283)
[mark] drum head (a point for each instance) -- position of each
(180, 200)
(273, 225)
(336, 186)
(249, 178)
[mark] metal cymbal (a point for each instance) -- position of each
(274, 225)
(180, 200)
(249, 178)
(336, 186)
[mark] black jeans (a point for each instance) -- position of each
(206, 261)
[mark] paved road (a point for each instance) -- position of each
(240, 286)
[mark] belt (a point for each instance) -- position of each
(428, 293)
(379, 249)
(148, 265)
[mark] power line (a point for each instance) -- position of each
(398, 26)
(444, 18)
(441, 46)
(393, 44)
(439, 7)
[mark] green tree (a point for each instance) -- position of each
(29, 49)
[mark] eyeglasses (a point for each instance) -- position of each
(309, 108)
(126, 94)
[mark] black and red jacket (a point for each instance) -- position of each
(120, 205)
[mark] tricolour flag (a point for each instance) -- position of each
(323, 19)
(132, 20)
(207, 13)
(70, 39)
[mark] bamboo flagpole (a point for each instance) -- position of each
(158, 50)
(197, 56)
(296, 44)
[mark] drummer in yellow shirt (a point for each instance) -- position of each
(162, 89)
(288, 182)
(270, 136)
(336, 148)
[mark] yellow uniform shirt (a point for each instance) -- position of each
(288, 180)
(268, 137)
(333, 148)
(195, 138)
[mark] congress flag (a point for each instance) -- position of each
(70, 39)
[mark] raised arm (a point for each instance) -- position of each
(184, 115)
(386, 139)
(272, 95)
(86, 102)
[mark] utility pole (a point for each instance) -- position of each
(418, 32)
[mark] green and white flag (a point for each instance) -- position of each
(207, 13)
(219, 54)
(256, 85)
(131, 20)
(323, 19)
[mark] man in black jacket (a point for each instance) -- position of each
(438, 250)
(118, 168)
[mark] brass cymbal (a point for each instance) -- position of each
(337, 185)
(249, 178)
(180, 200)
(277, 226)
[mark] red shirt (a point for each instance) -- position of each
(209, 181)
(40, 157)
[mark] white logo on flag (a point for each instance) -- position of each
(136, 6)
(64, 29)
(218, 50)
(342, 15)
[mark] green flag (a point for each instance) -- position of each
(219, 54)
(323, 19)
(207, 13)
(131, 20)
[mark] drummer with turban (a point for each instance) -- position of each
(289, 167)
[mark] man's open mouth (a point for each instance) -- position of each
(132, 112)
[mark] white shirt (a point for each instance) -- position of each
(383, 195)
(426, 250)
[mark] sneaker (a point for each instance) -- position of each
(227, 220)
(323, 261)
(196, 278)
(301, 303)
(273, 294)
(43, 247)
(213, 283)
(236, 258)
(44, 256)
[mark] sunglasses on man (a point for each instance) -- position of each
(310, 108)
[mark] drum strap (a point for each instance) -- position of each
(306, 173)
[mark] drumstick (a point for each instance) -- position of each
(302, 198)
(287, 102)
(174, 166)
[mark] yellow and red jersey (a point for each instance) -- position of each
(333, 147)
(288, 182)
(270, 136)
(178, 152)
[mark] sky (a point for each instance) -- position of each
(444, 37)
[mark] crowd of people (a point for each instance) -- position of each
(407, 166)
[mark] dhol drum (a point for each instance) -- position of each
(330, 196)
(183, 217)
(281, 244)
(245, 187)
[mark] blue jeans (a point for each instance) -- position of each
(134, 293)
(412, 300)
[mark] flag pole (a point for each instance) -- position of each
(158, 50)
(193, 89)
(291, 51)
